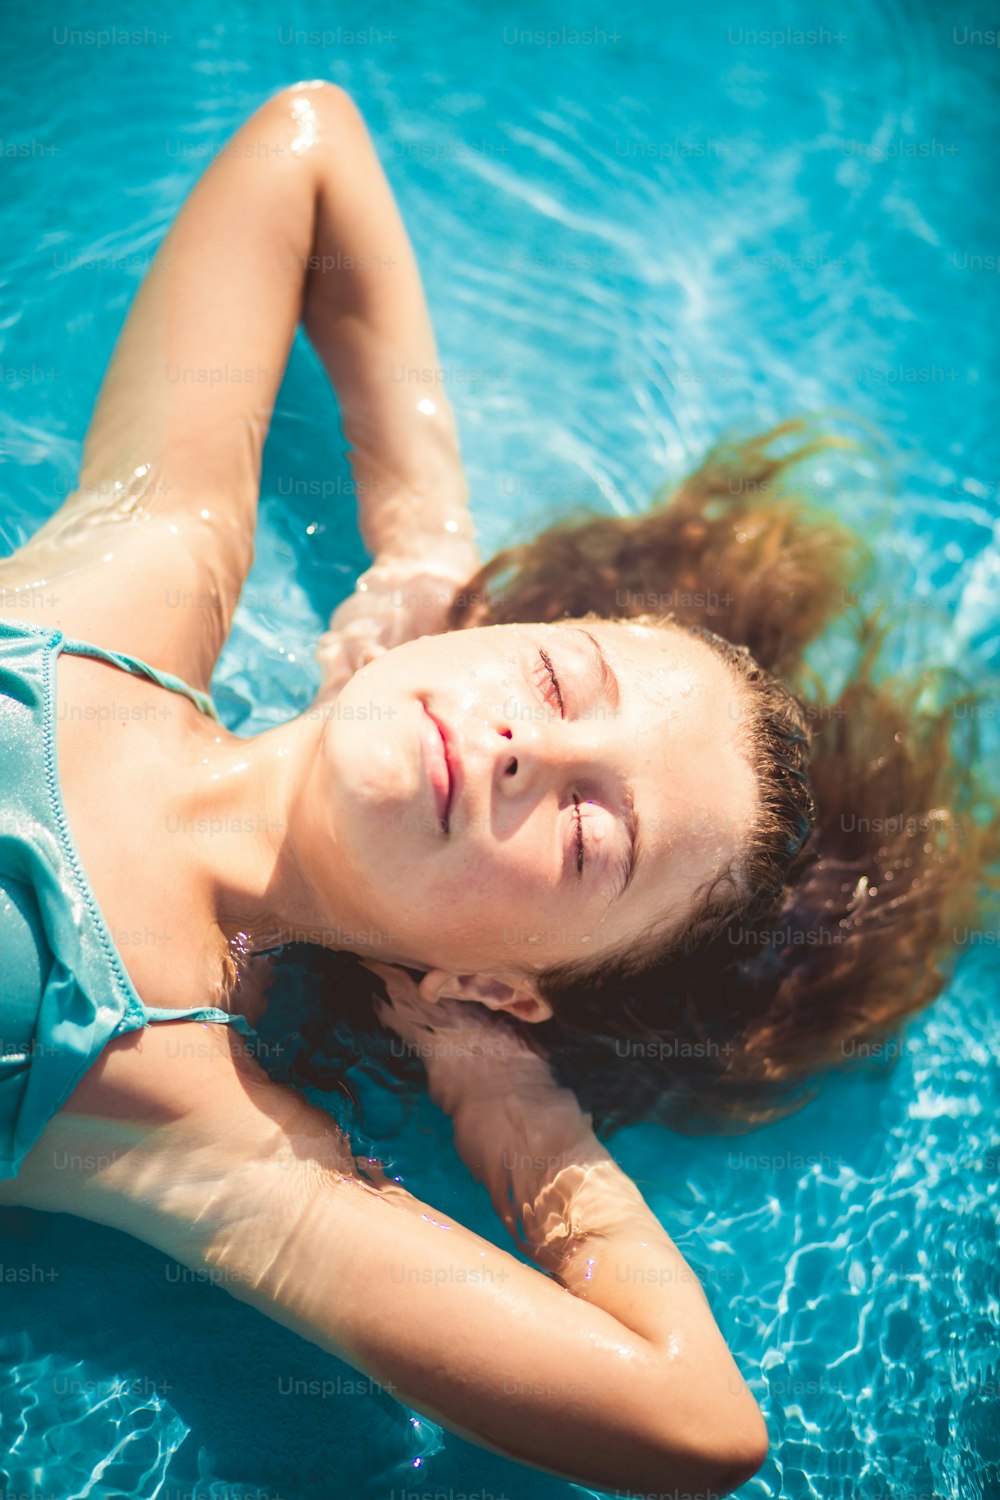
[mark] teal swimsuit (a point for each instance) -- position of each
(64, 990)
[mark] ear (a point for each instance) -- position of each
(517, 997)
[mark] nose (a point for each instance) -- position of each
(535, 757)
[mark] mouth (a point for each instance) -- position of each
(441, 763)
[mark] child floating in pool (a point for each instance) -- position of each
(576, 799)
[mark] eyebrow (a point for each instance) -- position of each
(612, 690)
(609, 680)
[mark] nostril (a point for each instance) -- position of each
(506, 734)
(511, 768)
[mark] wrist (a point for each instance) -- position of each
(448, 547)
(481, 1073)
(452, 564)
(419, 519)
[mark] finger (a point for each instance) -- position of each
(402, 990)
(384, 1014)
(385, 972)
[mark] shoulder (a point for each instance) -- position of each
(162, 1118)
(139, 587)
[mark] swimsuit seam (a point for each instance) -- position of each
(62, 822)
(206, 1014)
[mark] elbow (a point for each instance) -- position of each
(739, 1461)
(709, 1467)
(331, 102)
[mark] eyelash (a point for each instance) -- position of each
(547, 663)
(580, 852)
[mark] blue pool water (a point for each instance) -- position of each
(629, 243)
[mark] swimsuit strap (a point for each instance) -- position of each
(139, 668)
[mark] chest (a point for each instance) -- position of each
(119, 740)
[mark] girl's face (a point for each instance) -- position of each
(499, 800)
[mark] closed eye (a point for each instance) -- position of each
(611, 694)
(547, 663)
(580, 846)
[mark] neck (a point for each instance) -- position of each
(237, 807)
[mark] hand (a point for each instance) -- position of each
(447, 1034)
(397, 599)
(510, 1116)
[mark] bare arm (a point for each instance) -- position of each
(293, 219)
(230, 1174)
(565, 1199)
(365, 312)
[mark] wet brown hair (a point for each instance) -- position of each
(877, 845)
(874, 842)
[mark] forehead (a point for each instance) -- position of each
(669, 664)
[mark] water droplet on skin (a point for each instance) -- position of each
(308, 133)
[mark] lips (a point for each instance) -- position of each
(439, 770)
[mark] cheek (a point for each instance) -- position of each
(493, 878)
(372, 769)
